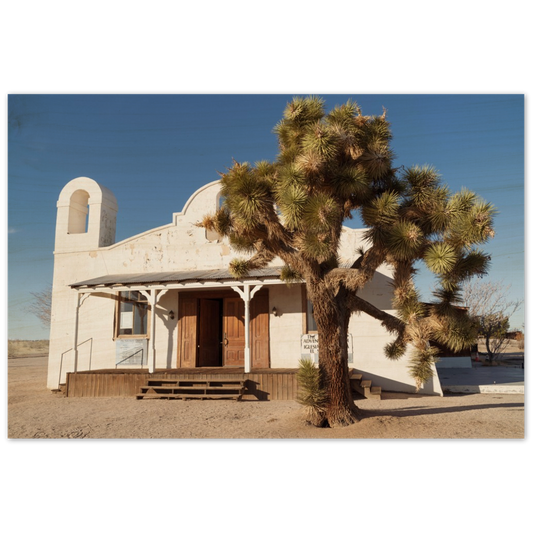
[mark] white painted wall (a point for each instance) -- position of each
(370, 339)
(286, 328)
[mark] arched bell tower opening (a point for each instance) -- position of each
(86, 216)
(78, 216)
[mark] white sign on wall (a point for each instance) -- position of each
(131, 352)
(126, 320)
(309, 347)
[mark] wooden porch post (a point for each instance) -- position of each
(247, 296)
(75, 338)
(153, 297)
(151, 340)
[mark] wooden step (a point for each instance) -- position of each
(197, 391)
(364, 387)
(195, 382)
(202, 389)
(178, 396)
(193, 388)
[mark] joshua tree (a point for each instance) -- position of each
(329, 166)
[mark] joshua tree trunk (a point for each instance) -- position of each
(332, 318)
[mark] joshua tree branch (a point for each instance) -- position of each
(392, 323)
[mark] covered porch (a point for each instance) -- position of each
(220, 321)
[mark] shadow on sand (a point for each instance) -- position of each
(420, 411)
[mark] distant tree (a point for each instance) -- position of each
(489, 307)
(330, 165)
(41, 305)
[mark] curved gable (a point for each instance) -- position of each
(204, 200)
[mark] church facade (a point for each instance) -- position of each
(164, 299)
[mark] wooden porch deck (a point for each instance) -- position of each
(261, 384)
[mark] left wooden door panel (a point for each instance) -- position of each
(188, 331)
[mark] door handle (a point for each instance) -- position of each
(225, 339)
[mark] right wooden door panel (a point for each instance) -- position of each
(233, 332)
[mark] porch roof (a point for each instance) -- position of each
(177, 278)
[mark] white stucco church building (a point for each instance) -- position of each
(164, 300)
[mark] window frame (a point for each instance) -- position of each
(307, 307)
(122, 299)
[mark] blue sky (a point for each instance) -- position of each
(154, 151)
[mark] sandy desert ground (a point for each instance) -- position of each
(35, 412)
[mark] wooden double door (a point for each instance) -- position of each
(211, 330)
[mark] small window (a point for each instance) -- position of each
(311, 324)
(212, 235)
(308, 319)
(132, 319)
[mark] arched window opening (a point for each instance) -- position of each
(211, 235)
(78, 217)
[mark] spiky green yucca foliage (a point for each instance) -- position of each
(311, 391)
(421, 365)
(329, 166)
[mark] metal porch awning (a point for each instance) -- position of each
(177, 279)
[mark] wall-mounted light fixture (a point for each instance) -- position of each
(171, 315)
(274, 311)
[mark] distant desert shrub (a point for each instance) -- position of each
(17, 348)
